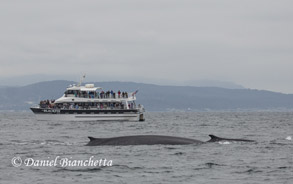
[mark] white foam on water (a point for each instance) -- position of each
(224, 142)
(289, 138)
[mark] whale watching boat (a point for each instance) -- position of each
(90, 103)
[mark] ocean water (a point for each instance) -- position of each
(269, 160)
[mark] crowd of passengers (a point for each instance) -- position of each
(94, 94)
(105, 105)
(47, 103)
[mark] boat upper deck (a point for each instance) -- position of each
(90, 93)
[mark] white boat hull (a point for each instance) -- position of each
(88, 117)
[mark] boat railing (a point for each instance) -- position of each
(95, 96)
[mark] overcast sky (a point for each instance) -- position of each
(248, 42)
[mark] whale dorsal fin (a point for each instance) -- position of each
(214, 138)
(217, 139)
(92, 138)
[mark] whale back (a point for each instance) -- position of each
(153, 140)
(142, 140)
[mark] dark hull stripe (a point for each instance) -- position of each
(84, 111)
(105, 116)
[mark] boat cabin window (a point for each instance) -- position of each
(71, 92)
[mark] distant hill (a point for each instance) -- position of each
(35, 78)
(156, 97)
(213, 83)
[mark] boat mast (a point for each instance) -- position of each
(81, 80)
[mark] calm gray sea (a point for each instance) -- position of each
(270, 160)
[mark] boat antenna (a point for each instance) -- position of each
(81, 80)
